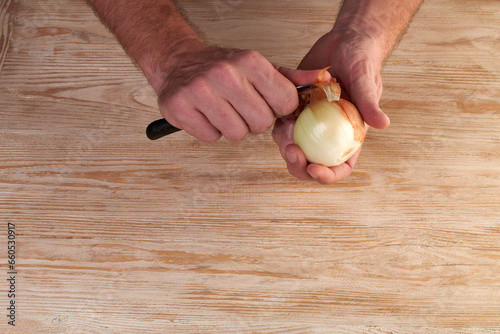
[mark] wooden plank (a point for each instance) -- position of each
(119, 234)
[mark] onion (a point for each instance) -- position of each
(329, 130)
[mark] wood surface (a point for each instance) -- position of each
(119, 234)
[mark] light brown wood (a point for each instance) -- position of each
(119, 234)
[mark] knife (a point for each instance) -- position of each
(161, 127)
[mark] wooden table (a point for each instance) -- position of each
(118, 234)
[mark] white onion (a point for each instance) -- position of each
(329, 132)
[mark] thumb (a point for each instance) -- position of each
(301, 77)
(366, 98)
(372, 114)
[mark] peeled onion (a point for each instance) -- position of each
(329, 130)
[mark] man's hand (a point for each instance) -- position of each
(364, 34)
(357, 69)
(213, 92)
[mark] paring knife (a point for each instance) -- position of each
(161, 127)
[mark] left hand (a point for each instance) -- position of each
(356, 61)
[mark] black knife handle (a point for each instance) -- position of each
(160, 128)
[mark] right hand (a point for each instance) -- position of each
(211, 92)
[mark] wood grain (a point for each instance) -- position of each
(119, 234)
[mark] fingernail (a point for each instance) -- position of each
(291, 157)
(387, 119)
(314, 176)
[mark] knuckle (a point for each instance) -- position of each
(224, 71)
(211, 138)
(286, 105)
(198, 86)
(208, 135)
(250, 55)
(236, 134)
(256, 63)
(263, 124)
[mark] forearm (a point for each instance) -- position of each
(152, 32)
(384, 20)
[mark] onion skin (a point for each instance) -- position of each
(354, 116)
(329, 132)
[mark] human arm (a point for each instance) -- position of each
(364, 34)
(206, 90)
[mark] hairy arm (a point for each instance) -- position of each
(384, 20)
(152, 32)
